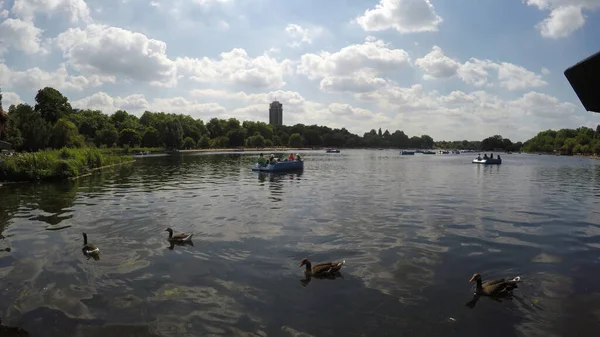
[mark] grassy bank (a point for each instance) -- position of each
(56, 164)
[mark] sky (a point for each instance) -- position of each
(460, 69)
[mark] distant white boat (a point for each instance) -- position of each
(487, 161)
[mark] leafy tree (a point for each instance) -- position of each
(295, 140)
(237, 137)
(151, 138)
(3, 117)
(107, 136)
(188, 143)
(204, 142)
(129, 137)
(65, 134)
(173, 134)
(256, 141)
(51, 104)
(35, 131)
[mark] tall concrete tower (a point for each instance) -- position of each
(276, 113)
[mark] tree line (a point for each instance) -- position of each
(53, 123)
(582, 140)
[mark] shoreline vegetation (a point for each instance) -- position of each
(54, 141)
(48, 165)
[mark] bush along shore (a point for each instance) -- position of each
(56, 164)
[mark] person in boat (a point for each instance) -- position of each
(272, 159)
(492, 156)
(498, 157)
(479, 156)
(297, 156)
(485, 156)
(291, 157)
(262, 161)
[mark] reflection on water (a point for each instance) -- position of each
(412, 232)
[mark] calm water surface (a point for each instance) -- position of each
(412, 229)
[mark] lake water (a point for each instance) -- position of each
(412, 229)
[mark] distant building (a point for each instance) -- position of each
(276, 113)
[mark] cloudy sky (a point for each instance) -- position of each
(460, 69)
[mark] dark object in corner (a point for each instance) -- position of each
(584, 77)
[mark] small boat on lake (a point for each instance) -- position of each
(285, 165)
(407, 153)
(332, 151)
(487, 161)
(428, 152)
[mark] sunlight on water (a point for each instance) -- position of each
(412, 231)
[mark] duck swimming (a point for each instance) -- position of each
(322, 269)
(181, 237)
(89, 248)
(494, 287)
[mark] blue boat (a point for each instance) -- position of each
(407, 153)
(332, 151)
(286, 165)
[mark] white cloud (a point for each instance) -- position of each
(10, 98)
(513, 77)
(476, 72)
(545, 71)
(302, 35)
(211, 2)
(544, 106)
(405, 16)
(154, 4)
(236, 67)
(566, 16)
(76, 10)
(285, 97)
(437, 65)
(372, 54)
(138, 103)
(354, 68)
(111, 51)
(562, 22)
(20, 35)
(34, 79)
(3, 12)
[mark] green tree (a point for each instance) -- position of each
(295, 140)
(129, 137)
(35, 131)
(65, 134)
(52, 105)
(3, 117)
(173, 134)
(188, 143)
(256, 141)
(204, 142)
(151, 138)
(107, 136)
(236, 137)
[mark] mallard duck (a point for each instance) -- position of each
(494, 287)
(89, 248)
(181, 237)
(321, 269)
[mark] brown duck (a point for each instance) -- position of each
(181, 237)
(321, 269)
(494, 287)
